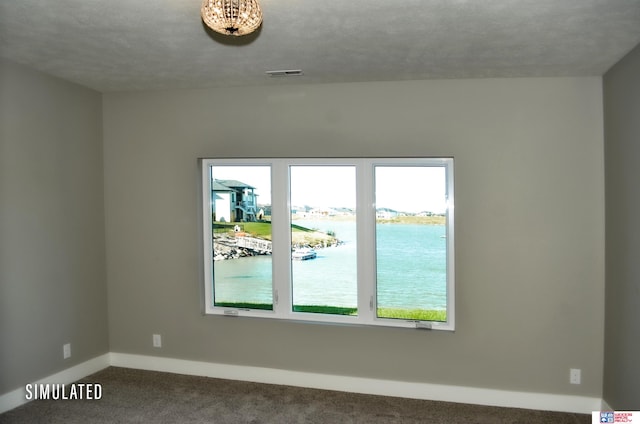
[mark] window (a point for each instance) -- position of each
(354, 241)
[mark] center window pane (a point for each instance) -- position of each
(323, 239)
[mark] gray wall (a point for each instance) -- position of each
(622, 158)
(52, 266)
(529, 230)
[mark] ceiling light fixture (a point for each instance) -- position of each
(232, 17)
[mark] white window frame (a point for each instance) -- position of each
(366, 240)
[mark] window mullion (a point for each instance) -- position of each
(450, 244)
(281, 239)
(207, 248)
(366, 242)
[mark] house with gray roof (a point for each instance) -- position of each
(234, 201)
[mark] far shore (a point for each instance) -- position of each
(418, 220)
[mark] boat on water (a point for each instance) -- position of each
(303, 254)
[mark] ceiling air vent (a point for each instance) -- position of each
(285, 73)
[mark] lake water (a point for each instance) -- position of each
(411, 270)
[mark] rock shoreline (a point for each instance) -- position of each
(224, 248)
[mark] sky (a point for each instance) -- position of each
(402, 188)
(323, 186)
(410, 188)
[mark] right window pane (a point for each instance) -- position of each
(411, 245)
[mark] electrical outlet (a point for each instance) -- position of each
(575, 376)
(66, 350)
(157, 340)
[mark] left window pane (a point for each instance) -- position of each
(241, 236)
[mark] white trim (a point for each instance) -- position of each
(17, 397)
(366, 253)
(423, 391)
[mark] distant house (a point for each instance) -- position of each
(234, 201)
(321, 212)
(385, 213)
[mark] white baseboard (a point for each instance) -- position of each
(424, 391)
(17, 397)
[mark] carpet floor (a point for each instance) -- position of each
(136, 396)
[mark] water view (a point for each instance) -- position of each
(411, 271)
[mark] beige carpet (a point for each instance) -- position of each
(134, 396)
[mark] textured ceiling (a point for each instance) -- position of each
(122, 45)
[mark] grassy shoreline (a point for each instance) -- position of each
(416, 220)
(300, 236)
(308, 236)
(393, 313)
